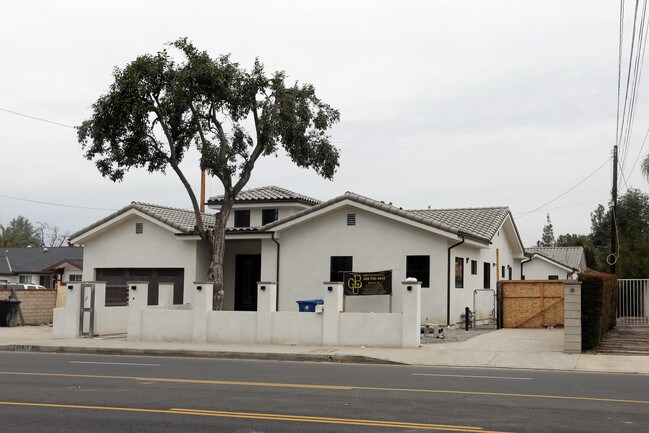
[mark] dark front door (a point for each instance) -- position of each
(247, 274)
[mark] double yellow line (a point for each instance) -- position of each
(264, 416)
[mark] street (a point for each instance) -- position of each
(71, 392)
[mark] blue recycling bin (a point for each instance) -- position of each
(308, 305)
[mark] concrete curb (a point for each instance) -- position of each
(296, 357)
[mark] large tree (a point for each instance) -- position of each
(157, 108)
(20, 232)
(632, 222)
(547, 240)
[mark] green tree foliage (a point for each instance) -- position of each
(632, 221)
(157, 108)
(547, 240)
(20, 232)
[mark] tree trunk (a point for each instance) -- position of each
(215, 273)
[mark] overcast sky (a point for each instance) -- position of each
(443, 103)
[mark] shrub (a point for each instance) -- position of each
(598, 306)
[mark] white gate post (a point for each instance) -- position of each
(201, 305)
(411, 314)
(266, 306)
(165, 294)
(66, 319)
(572, 316)
(137, 301)
(333, 305)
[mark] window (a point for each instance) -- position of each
(139, 228)
(487, 275)
(242, 218)
(509, 268)
(74, 277)
(351, 219)
(268, 216)
(25, 279)
(419, 267)
(553, 277)
(502, 273)
(459, 272)
(474, 267)
(45, 281)
(338, 265)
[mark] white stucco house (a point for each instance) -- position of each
(280, 236)
(553, 263)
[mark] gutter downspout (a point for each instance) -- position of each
(272, 236)
(522, 263)
(448, 280)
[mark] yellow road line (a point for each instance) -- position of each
(331, 387)
(262, 416)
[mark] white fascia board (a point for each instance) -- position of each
(511, 232)
(266, 205)
(351, 203)
(117, 220)
(552, 262)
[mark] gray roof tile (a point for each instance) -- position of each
(183, 220)
(478, 223)
(568, 256)
(267, 194)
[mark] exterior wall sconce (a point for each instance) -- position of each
(70, 287)
(134, 288)
(199, 288)
(409, 288)
(262, 288)
(467, 260)
(330, 288)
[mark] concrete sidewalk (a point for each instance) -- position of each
(506, 348)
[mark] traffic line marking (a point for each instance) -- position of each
(329, 387)
(115, 363)
(472, 377)
(263, 416)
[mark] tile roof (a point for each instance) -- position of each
(483, 222)
(477, 223)
(568, 256)
(183, 220)
(267, 194)
(25, 260)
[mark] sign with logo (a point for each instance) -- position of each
(367, 283)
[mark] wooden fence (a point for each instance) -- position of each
(532, 303)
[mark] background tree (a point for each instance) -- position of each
(645, 167)
(50, 235)
(20, 232)
(632, 221)
(547, 240)
(157, 108)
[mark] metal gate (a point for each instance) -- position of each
(87, 311)
(632, 297)
(484, 308)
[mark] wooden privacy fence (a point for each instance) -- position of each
(531, 303)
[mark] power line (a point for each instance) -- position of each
(37, 118)
(55, 204)
(566, 192)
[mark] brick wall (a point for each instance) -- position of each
(37, 305)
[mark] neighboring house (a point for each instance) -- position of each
(553, 263)
(44, 266)
(277, 235)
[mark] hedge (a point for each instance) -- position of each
(598, 306)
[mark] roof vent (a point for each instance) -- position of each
(139, 228)
(351, 219)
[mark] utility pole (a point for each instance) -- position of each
(614, 253)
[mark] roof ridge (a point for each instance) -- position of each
(461, 208)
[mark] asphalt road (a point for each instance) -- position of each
(63, 393)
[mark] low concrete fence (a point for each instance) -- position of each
(37, 306)
(196, 322)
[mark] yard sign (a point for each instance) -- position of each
(367, 283)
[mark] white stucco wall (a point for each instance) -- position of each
(376, 243)
(156, 247)
(539, 269)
